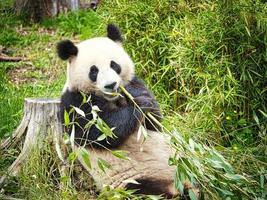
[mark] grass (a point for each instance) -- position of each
(204, 60)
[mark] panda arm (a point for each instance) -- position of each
(124, 118)
(71, 99)
(146, 101)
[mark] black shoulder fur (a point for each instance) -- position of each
(121, 114)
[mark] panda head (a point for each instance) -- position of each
(98, 65)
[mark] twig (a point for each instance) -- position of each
(4, 58)
(4, 197)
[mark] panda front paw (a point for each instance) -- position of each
(147, 104)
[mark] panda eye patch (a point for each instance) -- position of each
(115, 66)
(93, 73)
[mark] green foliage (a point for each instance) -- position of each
(206, 57)
(120, 154)
(84, 24)
(110, 193)
(103, 165)
(203, 165)
(206, 60)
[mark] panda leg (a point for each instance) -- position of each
(154, 187)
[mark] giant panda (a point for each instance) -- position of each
(97, 67)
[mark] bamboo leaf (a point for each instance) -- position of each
(79, 111)
(96, 108)
(66, 118)
(72, 156)
(131, 181)
(154, 197)
(85, 157)
(192, 195)
(120, 154)
(72, 136)
(139, 133)
(84, 98)
(101, 137)
(103, 165)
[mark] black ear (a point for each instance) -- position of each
(66, 49)
(114, 33)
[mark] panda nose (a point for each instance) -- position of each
(110, 86)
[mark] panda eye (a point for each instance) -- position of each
(93, 73)
(115, 66)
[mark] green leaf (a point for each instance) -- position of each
(64, 179)
(120, 154)
(180, 187)
(242, 122)
(154, 197)
(141, 131)
(101, 137)
(96, 108)
(66, 138)
(72, 156)
(72, 135)
(84, 98)
(171, 161)
(104, 128)
(192, 195)
(94, 113)
(79, 111)
(85, 157)
(262, 180)
(144, 132)
(131, 181)
(236, 177)
(103, 165)
(256, 118)
(219, 161)
(191, 144)
(66, 118)
(263, 113)
(224, 191)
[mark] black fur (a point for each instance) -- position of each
(150, 186)
(121, 114)
(115, 66)
(66, 49)
(93, 73)
(114, 33)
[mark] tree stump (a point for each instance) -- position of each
(37, 10)
(40, 119)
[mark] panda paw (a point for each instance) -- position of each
(147, 104)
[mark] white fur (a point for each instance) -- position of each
(99, 52)
(148, 160)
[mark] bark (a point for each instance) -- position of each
(40, 120)
(37, 10)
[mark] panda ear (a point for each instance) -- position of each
(114, 33)
(66, 49)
